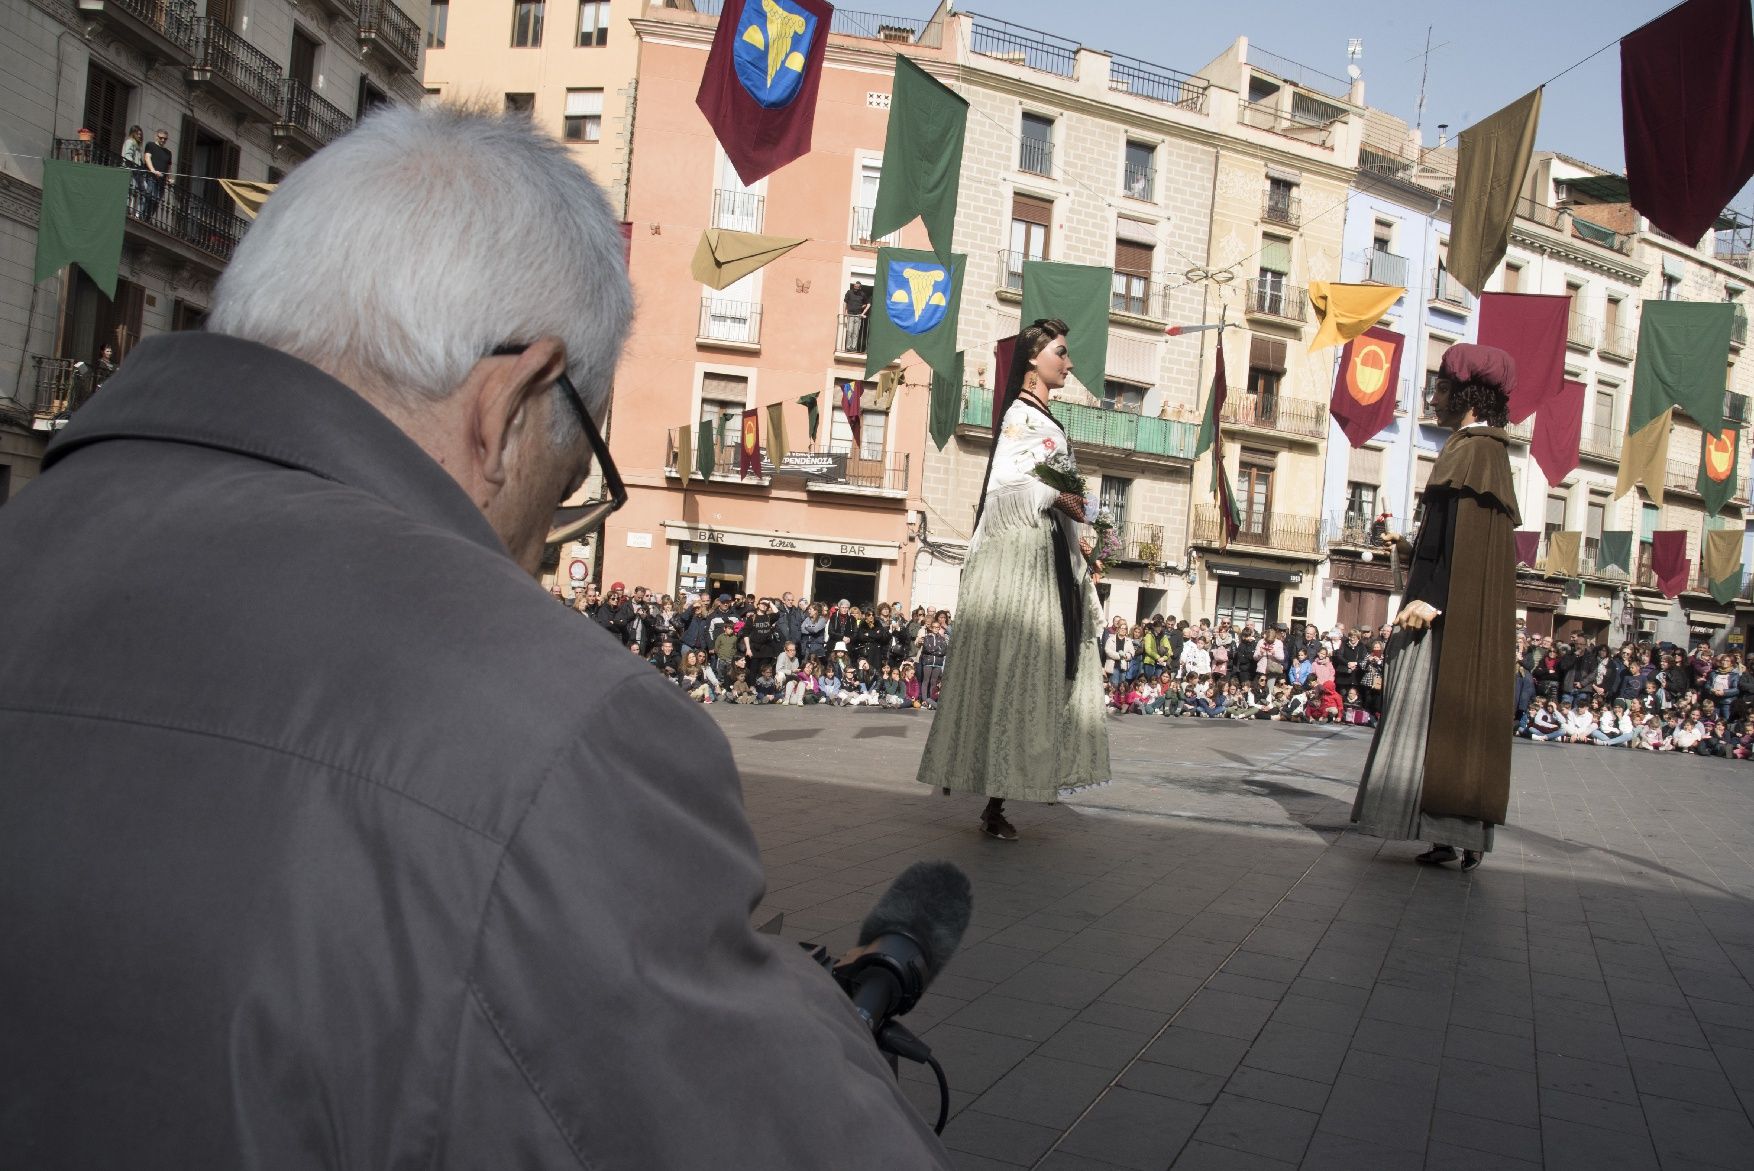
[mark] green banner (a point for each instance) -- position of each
(922, 157)
(1079, 295)
(808, 402)
(946, 401)
(1614, 550)
(1721, 551)
(1719, 468)
(705, 450)
(84, 208)
(1683, 350)
(914, 307)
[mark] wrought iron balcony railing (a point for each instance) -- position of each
(1139, 181)
(1450, 291)
(306, 114)
(1018, 45)
(382, 24)
(1616, 342)
(1275, 299)
(1292, 416)
(173, 209)
(1036, 156)
(1129, 75)
(1739, 328)
(849, 334)
(859, 234)
(225, 57)
(737, 322)
(1285, 210)
(63, 385)
(1141, 544)
(1277, 531)
(1600, 440)
(871, 469)
(1580, 331)
(165, 28)
(740, 211)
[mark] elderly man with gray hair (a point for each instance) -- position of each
(326, 839)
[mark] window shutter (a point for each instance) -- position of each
(1435, 349)
(1266, 353)
(1422, 474)
(1031, 210)
(1276, 255)
(724, 386)
(1134, 259)
(584, 103)
(1364, 466)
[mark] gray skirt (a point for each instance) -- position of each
(1387, 805)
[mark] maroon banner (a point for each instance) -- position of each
(852, 395)
(1366, 388)
(1669, 562)
(1685, 85)
(759, 89)
(1004, 353)
(749, 446)
(1528, 546)
(1530, 327)
(1558, 427)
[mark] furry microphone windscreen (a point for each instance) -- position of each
(929, 903)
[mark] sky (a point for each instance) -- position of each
(1484, 53)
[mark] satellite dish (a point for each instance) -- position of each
(1354, 72)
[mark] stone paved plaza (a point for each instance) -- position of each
(1196, 966)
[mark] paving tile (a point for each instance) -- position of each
(1146, 988)
(1312, 1013)
(971, 1161)
(1133, 1129)
(1260, 1128)
(1386, 1114)
(1707, 1087)
(1328, 1151)
(1003, 1139)
(1012, 1018)
(972, 1058)
(1092, 1044)
(1045, 1091)
(1490, 1048)
(1395, 1040)
(1197, 1050)
(1298, 1052)
(1226, 1013)
(1594, 1079)
(1569, 1146)
(1198, 1156)
(1172, 1081)
(1448, 1157)
(1055, 984)
(1066, 1161)
(1278, 1088)
(1394, 1070)
(1480, 1134)
(1597, 1112)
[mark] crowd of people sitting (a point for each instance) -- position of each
(1657, 698)
(745, 649)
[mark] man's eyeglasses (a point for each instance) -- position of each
(571, 523)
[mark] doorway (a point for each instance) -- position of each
(852, 578)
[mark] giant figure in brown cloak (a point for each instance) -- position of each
(1439, 766)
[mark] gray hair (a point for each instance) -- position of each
(408, 249)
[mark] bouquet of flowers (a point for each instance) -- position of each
(1060, 473)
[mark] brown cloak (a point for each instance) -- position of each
(1465, 564)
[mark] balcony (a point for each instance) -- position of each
(236, 72)
(1011, 270)
(850, 333)
(1285, 210)
(307, 120)
(1683, 476)
(1540, 213)
(1115, 431)
(1018, 45)
(735, 324)
(1580, 332)
(1385, 268)
(163, 29)
(1141, 544)
(859, 232)
(1136, 295)
(348, 9)
(1600, 441)
(740, 211)
(1274, 299)
(1356, 530)
(178, 215)
(1275, 532)
(1447, 290)
(1739, 328)
(1139, 182)
(1129, 75)
(1286, 416)
(879, 473)
(384, 26)
(1606, 237)
(1036, 156)
(1616, 343)
(63, 385)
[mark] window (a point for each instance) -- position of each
(1242, 606)
(593, 23)
(1671, 286)
(1030, 218)
(1254, 493)
(1513, 277)
(1555, 514)
(584, 115)
(1266, 371)
(1138, 179)
(1132, 278)
(370, 97)
(723, 399)
(1361, 501)
(1648, 521)
(106, 110)
(1037, 153)
(438, 18)
(1122, 396)
(1611, 313)
(1274, 271)
(1593, 526)
(524, 104)
(1281, 201)
(527, 24)
(1603, 415)
(872, 426)
(1113, 495)
(1383, 237)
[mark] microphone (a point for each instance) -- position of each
(906, 940)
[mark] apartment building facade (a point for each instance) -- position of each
(834, 519)
(242, 89)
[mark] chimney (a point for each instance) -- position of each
(1355, 94)
(1442, 134)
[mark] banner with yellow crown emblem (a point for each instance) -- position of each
(915, 308)
(759, 89)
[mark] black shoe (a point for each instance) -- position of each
(1471, 859)
(994, 825)
(1438, 855)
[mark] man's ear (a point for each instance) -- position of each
(503, 391)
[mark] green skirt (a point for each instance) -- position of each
(1009, 723)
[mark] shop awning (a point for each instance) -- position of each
(1254, 572)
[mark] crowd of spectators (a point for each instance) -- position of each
(1653, 697)
(745, 649)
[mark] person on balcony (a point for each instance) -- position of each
(1028, 618)
(159, 161)
(856, 304)
(1432, 773)
(134, 157)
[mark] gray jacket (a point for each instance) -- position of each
(328, 840)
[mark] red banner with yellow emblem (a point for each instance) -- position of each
(1366, 389)
(749, 446)
(1717, 468)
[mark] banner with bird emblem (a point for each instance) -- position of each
(916, 305)
(759, 89)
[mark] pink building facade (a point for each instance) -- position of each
(834, 519)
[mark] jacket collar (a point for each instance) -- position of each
(231, 395)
